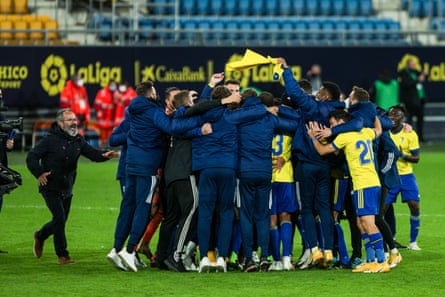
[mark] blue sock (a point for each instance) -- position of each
(414, 222)
(302, 231)
(370, 252)
(341, 244)
(376, 242)
(286, 237)
(319, 233)
(275, 243)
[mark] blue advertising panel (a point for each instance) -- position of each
(33, 77)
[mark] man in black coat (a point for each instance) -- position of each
(53, 161)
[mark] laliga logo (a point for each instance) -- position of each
(53, 75)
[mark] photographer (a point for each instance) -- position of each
(6, 144)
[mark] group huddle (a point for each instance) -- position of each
(236, 175)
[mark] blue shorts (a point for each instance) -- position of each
(366, 201)
(283, 198)
(341, 187)
(408, 189)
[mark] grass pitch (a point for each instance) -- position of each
(90, 231)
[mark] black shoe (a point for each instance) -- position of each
(399, 245)
(174, 265)
(264, 264)
(158, 263)
(3, 252)
(250, 266)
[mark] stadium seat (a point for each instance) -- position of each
(146, 27)
(245, 29)
(299, 7)
(300, 27)
(204, 27)
(368, 29)
(352, 7)
(164, 30)
(259, 28)
(258, 7)
(231, 25)
(52, 26)
(272, 28)
(338, 7)
(415, 8)
(6, 30)
(230, 7)
(20, 6)
(341, 27)
(202, 7)
(394, 30)
(327, 27)
(285, 7)
(187, 24)
(380, 28)
(326, 7)
(441, 29)
(6, 6)
(38, 27)
(216, 7)
(313, 27)
(287, 29)
(105, 26)
(271, 7)
(244, 7)
(187, 6)
(353, 26)
(217, 26)
(365, 7)
(311, 7)
(20, 27)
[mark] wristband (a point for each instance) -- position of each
(210, 85)
(314, 139)
(403, 156)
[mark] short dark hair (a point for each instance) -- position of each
(306, 85)
(180, 98)
(170, 89)
(233, 82)
(249, 93)
(144, 87)
(267, 99)
(220, 92)
(340, 114)
(332, 88)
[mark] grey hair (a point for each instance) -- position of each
(60, 112)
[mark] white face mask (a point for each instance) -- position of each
(122, 89)
(80, 82)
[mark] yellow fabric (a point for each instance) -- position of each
(408, 142)
(359, 156)
(252, 59)
(281, 147)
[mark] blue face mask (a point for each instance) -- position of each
(112, 88)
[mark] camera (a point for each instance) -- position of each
(6, 127)
(9, 179)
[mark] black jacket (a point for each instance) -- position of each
(58, 153)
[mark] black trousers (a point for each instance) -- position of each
(59, 205)
(179, 217)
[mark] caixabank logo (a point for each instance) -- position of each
(53, 75)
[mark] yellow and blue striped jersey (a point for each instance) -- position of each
(409, 143)
(282, 147)
(359, 156)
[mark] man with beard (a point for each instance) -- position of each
(53, 161)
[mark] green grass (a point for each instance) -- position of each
(90, 231)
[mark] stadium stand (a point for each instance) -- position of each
(231, 22)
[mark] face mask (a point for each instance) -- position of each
(112, 88)
(80, 82)
(122, 89)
